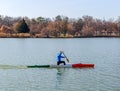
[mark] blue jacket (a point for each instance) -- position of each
(59, 57)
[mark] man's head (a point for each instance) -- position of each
(61, 51)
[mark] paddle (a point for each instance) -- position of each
(66, 57)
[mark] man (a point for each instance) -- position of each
(59, 57)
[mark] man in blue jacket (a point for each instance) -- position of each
(59, 57)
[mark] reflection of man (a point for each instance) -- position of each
(59, 57)
(60, 78)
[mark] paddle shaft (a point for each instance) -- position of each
(66, 57)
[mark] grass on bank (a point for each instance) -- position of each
(28, 35)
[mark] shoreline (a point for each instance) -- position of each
(29, 35)
(67, 37)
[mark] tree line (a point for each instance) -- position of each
(60, 26)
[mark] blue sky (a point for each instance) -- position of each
(102, 9)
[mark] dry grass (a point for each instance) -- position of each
(69, 36)
(23, 35)
(38, 36)
(20, 35)
(3, 35)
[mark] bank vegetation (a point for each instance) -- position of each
(58, 27)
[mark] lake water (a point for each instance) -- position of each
(103, 52)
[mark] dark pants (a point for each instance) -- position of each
(59, 62)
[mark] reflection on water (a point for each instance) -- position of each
(60, 71)
(59, 78)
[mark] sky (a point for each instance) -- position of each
(102, 9)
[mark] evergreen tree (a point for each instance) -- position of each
(22, 27)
